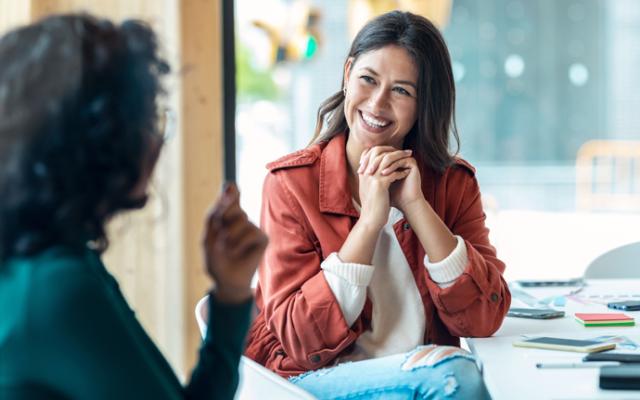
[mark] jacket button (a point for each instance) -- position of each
(406, 226)
(314, 358)
(494, 297)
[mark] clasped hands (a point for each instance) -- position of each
(387, 177)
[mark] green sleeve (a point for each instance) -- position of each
(217, 370)
(87, 343)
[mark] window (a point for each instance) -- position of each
(536, 81)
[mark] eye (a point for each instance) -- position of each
(368, 79)
(402, 91)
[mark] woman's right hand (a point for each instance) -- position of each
(233, 247)
(374, 186)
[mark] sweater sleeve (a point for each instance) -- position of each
(348, 282)
(445, 272)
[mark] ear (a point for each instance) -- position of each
(347, 71)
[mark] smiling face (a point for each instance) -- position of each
(381, 97)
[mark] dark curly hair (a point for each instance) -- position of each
(78, 107)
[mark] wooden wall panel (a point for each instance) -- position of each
(13, 14)
(155, 253)
(202, 127)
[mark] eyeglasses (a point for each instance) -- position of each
(166, 124)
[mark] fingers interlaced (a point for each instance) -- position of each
(395, 160)
(382, 159)
(403, 163)
(398, 174)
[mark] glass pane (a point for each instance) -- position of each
(536, 82)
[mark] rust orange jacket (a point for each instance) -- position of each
(307, 212)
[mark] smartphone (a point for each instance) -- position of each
(627, 358)
(626, 377)
(631, 305)
(550, 283)
(535, 313)
(551, 343)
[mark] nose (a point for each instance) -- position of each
(378, 99)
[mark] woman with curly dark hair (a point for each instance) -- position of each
(79, 139)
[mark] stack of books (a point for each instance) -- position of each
(605, 319)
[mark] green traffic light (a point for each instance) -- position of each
(312, 47)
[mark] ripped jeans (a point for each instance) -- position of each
(427, 372)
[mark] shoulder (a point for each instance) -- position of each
(50, 292)
(457, 177)
(297, 172)
(59, 263)
(463, 165)
(294, 178)
(301, 158)
(63, 282)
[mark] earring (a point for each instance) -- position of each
(344, 91)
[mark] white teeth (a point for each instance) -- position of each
(373, 122)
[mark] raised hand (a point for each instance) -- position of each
(232, 246)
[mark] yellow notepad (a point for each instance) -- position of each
(551, 343)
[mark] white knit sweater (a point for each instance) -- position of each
(398, 320)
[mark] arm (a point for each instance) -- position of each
(445, 254)
(436, 238)
(232, 249)
(468, 290)
(477, 302)
(299, 305)
(217, 369)
(350, 271)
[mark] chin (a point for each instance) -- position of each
(369, 139)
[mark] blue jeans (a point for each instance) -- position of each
(418, 374)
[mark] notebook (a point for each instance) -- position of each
(604, 319)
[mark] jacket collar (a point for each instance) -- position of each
(335, 194)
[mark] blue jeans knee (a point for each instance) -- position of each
(419, 374)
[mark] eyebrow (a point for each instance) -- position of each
(373, 72)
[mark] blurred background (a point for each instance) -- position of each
(547, 110)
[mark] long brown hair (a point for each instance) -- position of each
(429, 137)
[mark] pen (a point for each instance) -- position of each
(589, 364)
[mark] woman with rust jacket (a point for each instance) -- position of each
(379, 250)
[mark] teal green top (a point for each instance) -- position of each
(66, 331)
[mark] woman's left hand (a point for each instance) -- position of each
(407, 191)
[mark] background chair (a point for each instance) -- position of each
(608, 176)
(620, 262)
(256, 381)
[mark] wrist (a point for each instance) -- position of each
(231, 295)
(367, 227)
(415, 208)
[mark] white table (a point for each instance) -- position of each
(511, 373)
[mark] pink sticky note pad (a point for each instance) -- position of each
(603, 317)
